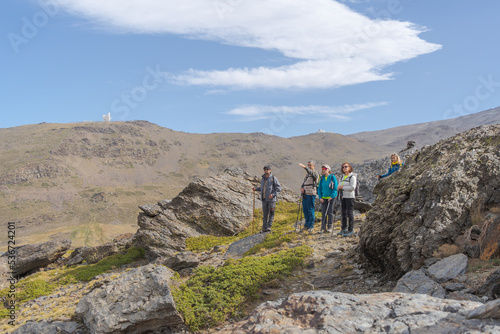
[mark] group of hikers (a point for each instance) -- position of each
(326, 187)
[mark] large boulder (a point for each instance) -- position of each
(416, 281)
(139, 301)
(33, 256)
(220, 205)
(440, 193)
(336, 312)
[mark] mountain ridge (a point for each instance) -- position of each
(86, 180)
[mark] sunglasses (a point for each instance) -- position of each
(324, 168)
(266, 168)
(345, 166)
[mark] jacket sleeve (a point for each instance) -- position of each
(335, 185)
(389, 172)
(320, 191)
(276, 188)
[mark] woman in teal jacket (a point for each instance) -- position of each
(396, 163)
(327, 191)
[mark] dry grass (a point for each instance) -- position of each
(446, 250)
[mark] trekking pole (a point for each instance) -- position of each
(326, 215)
(301, 212)
(253, 214)
(333, 215)
(297, 219)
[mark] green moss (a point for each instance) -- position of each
(44, 283)
(86, 273)
(24, 290)
(213, 294)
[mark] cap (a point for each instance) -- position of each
(267, 167)
(326, 166)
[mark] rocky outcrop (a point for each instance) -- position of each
(491, 287)
(95, 254)
(416, 281)
(48, 327)
(139, 301)
(442, 191)
(441, 279)
(218, 205)
(336, 312)
(29, 257)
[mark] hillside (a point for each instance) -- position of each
(430, 132)
(84, 181)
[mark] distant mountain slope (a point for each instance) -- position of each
(85, 180)
(428, 133)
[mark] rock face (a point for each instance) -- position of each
(441, 192)
(336, 312)
(137, 302)
(218, 205)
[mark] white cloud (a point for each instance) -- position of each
(259, 112)
(331, 44)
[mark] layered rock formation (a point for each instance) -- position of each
(218, 205)
(440, 194)
(336, 312)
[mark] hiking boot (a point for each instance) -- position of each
(321, 232)
(342, 233)
(348, 234)
(311, 230)
(268, 230)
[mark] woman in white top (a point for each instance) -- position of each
(347, 186)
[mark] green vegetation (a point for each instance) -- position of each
(213, 294)
(44, 283)
(207, 242)
(86, 273)
(283, 226)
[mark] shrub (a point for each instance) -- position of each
(213, 294)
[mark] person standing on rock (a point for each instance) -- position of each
(396, 163)
(327, 191)
(308, 190)
(347, 186)
(269, 189)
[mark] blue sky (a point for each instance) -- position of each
(285, 68)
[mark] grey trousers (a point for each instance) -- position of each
(267, 214)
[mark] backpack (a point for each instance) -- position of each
(356, 189)
(357, 195)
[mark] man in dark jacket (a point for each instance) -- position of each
(269, 189)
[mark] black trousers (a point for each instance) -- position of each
(348, 214)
